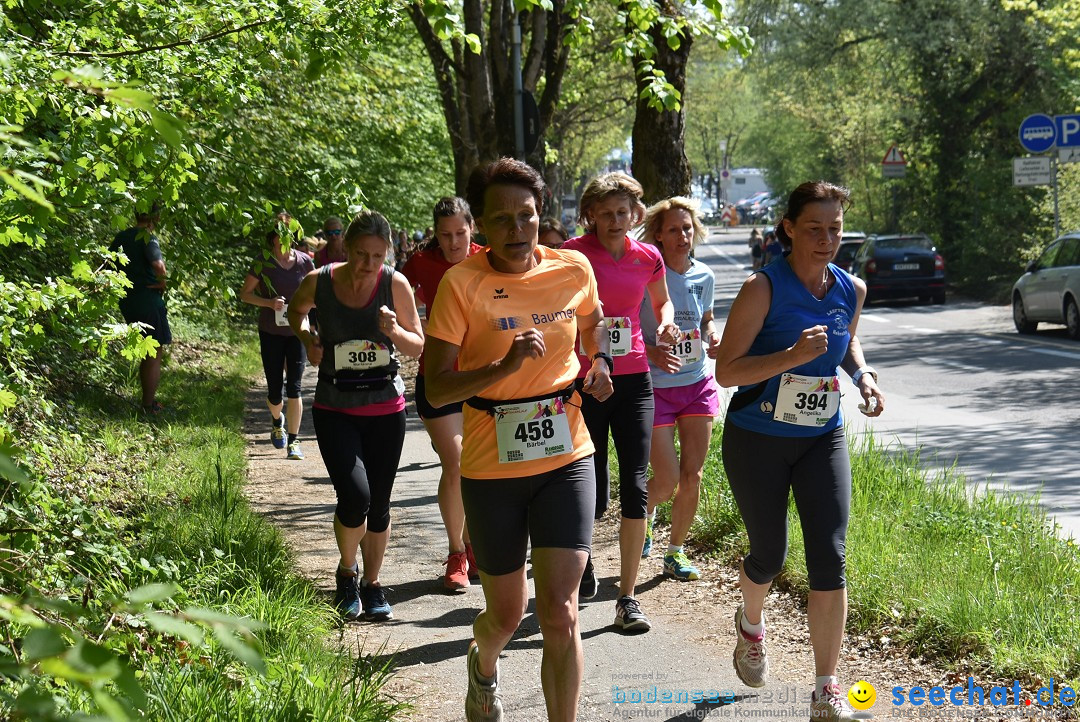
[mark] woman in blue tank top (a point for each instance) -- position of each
(790, 329)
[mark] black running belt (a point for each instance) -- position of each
(349, 380)
(481, 404)
(742, 399)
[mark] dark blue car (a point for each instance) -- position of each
(901, 266)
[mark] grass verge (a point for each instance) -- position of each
(121, 504)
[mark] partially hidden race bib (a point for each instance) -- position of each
(532, 430)
(360, 355)
(281, 318)
(807, 400)
(620, 335)
(688, 349)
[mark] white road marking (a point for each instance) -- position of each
(916, 329)
(875, 319)
(933, 361)
(1055, 352)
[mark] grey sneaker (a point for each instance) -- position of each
(831, 706)
(483, 703)
(750, 659)
(629, 616)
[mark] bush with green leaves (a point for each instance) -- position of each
(225, 111)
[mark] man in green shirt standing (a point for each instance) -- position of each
(145, 301)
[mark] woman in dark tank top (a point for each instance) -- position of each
(366, 315)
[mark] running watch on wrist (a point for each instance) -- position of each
(606, 357)
(857, 376)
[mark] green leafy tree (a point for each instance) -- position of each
(948, 82)
(660, 35)
(227, 112)
(721, 108)
(595, 113)
(470, 53)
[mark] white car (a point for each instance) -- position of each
(1049, 291)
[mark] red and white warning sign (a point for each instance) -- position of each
(894, 164)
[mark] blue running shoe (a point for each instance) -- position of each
(678, 566)
(347, 597)
(277, 436)
(376, 608)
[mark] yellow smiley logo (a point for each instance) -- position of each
(862, 695)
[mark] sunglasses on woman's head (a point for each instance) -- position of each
(334, 232)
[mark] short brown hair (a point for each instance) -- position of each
(507, 172)
(368, 223)
(810, 192)
(607, 185)
(654, 218)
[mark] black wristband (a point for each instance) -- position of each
(606, 357)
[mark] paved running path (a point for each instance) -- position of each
(688, 649)
(431, 630)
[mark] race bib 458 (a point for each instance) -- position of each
(532, 430)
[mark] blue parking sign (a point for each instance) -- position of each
(1068, 130)
(1038, 133)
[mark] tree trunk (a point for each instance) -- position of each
(477, 91)
(659, 161)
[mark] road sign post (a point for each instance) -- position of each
(1039, 133)
(1057, 216)
(894, 165)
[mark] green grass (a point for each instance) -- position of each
(164, 503)
(245, 570)
(977, 581)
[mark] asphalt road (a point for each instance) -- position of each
(962, 386)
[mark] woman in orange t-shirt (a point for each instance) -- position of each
(501, 338)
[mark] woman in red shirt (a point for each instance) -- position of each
(451, 244)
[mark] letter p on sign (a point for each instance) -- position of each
(1068, 130)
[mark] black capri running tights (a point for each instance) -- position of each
(629, 415)
(761, 469)
(361, 454)
(282, 356)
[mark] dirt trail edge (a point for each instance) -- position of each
(686, 656)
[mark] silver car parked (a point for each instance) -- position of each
(1049, 291)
